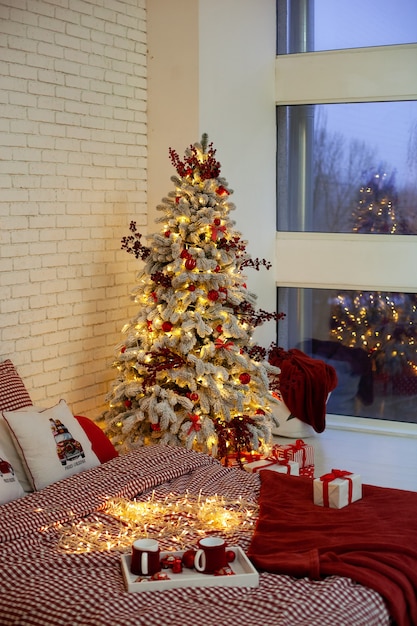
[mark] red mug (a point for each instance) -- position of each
(211, 555)
(145, 557)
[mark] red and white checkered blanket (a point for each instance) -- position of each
(42, 586)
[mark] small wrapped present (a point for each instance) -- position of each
(281, 466)
(337, 489)
(307, 471)
(300, 452)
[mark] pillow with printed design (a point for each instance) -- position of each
(51, 443)
(10, 487)
(13, 396)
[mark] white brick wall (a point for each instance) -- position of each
(73, 149)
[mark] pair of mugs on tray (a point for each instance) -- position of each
(210, 556)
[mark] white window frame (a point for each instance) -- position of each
(344, 260)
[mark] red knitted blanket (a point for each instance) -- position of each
(372, 541)
(305, 384)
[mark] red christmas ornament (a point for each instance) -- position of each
(194, 397)
(191, 287)
(123, 349)
(149, 323)
(222, 191)
(230, 556)
(213, 295)
(167, 327)
(128, 403)
(190, 263)
(177, 567)
(184, 254)
(244, 378)
(260, 412)
(167, 233)
(217, 269)
(155, 427)
(217, 221)
(219, 328)
(188, 558)
(177, 199)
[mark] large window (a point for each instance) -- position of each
(347, 197)
(314, 25)
(349, 167)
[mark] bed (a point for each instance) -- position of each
(61, 545)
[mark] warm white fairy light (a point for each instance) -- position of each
(175, 519)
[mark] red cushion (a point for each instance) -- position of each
(101, 444)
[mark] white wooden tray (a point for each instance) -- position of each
(244, 575)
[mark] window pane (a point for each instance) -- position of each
(369, 337)
(314, 25)
(348, 167)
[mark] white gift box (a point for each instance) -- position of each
(337, 489)
(290, 467)
(300, 452)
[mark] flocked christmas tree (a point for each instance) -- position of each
(383, 324)
(188, 371)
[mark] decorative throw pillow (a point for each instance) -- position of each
(100, 443)
(10, 488)
(51, 443)
(7, 444)
(13, 393)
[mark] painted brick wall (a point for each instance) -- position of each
(73, 147)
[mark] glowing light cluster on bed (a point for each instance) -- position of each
(176, 519)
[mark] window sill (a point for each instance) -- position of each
(372, 426)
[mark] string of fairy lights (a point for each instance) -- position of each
(176, 520)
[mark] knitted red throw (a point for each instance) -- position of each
(372, 541)
(304, 384)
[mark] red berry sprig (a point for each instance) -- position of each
(209, 168)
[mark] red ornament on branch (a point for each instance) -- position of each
(167, 327)
(213, 295)
(190, 263)
(244, 378)
(222, 191)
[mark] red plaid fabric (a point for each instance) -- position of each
(40, 586)
(13, 393)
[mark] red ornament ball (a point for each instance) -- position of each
(184, 254)
(213, 295)
(188, 558)
(190, 263)
(167, 233)
(167, 327)
(194, 396)
(260, 412)
(128, 403)
(219, 328)
(191, 287)
(230, 556)
(244, 378)
(217, 221)
(217, 269)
